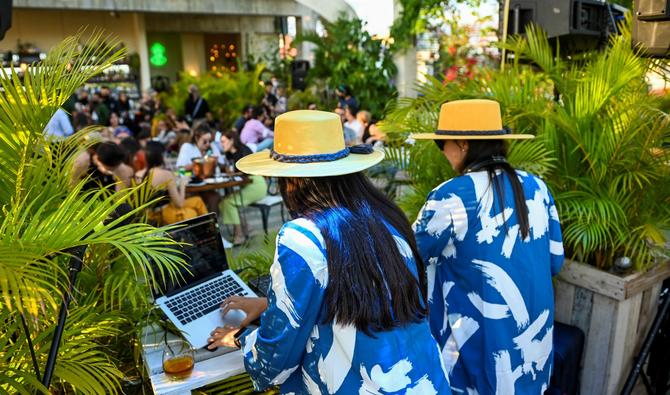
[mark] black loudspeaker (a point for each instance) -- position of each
(160, 83)
(577, 25)
(281, 24)
(651, 27)
(299, 69)
(5, 17)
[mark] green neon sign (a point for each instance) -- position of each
(157, 54)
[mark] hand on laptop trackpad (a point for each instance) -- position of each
(234, 318)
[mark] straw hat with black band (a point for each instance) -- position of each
(474, 119)
(309, 143)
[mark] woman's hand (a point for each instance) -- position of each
(253, 307)
(222, 337)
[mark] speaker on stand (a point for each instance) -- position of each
(299, 69)
(5, 17)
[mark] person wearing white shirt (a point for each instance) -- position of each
(200, 145)
(201, 142)
(59, 125)
(353, 123)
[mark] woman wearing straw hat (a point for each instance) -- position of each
(346, 313)
(492, 240)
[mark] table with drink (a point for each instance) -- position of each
(174, 367)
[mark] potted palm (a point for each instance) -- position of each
(600, 146)
(43, 217)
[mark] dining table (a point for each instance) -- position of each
(223, 182)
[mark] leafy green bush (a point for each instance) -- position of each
(349, 55)
(601, 142)
(43, 218)
(227, 92)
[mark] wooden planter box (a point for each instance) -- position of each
(615, 314)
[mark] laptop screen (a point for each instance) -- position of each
(204, 252)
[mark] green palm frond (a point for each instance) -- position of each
(43, 217)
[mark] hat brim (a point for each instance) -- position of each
(434, 136)
(262, 164)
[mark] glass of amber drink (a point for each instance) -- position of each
(178, 360)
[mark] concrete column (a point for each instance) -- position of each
(307, 24)
(406, 63)
(142, 50)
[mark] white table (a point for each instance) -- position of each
(210, 367)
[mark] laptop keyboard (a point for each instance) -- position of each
(204, 299)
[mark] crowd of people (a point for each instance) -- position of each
(140, 139)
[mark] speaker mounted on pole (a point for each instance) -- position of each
(5, 17)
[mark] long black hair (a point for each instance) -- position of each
(489, 155)
(154, 155)
(370, 284)
(235, 138)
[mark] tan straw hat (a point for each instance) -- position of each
(309, 143)
(474, 119)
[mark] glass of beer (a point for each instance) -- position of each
(198, 168)
(210, 163)
(178, 360)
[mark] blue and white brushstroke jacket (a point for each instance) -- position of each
(294, 349)
(489, 291)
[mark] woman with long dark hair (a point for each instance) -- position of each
(492, 240)
(346, 312)
(175, 206)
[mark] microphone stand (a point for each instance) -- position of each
(77, 255)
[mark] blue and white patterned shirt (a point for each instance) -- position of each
(490, 291)
(296, 350)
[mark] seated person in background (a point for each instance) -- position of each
(234, 150)
(135, 157)
(345, 97)
(269, 99)
(349, 133)
(103, 164)
(199, 146)
(255, 132)
(164, 135)
(114, 122)
(143, 138)
(363, 117)
(59, 125)
(352, 123)
(121, 133)
(247, 111)
(183, 137)
(373, 134)
(175, 206)
(282, 101)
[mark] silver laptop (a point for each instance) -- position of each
(193, 302)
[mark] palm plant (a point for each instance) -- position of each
(600, 142)
(43, 217)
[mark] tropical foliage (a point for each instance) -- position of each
(349, 55)
(44, 218)
(415, 17)
(601, 142)
(460, 58)
(227, 92)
